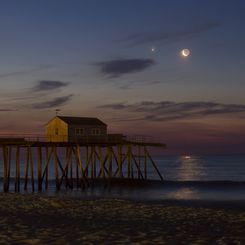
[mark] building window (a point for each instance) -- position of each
(95, 131)
(56, 131)
(79, 131)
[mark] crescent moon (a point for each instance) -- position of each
(185, 52)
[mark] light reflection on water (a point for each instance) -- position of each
(202, 168)
(190, 168)
(184, 194)
(151, 193)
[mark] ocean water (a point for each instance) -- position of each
(202, 168)
(185, 178)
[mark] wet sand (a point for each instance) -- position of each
(36, 219)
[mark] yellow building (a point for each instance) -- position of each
(76, 129)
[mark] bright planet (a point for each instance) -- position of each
(185, 52)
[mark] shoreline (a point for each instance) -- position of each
(220, 194)
(42, 219)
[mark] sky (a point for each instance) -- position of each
(94, 59)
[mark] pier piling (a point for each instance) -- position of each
(72, 164)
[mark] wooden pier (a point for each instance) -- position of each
(75, 165)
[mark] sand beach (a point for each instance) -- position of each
(40, 219)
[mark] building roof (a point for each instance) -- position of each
(82, 120)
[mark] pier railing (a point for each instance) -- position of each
(109, 138)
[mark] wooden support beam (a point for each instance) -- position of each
(145, 162)
(154, 165)
(93, 163)
(83, 180)
(78, 177)
(5, 168)
(117, 170)
(56, 170)
(17, 169)
(109, 154)
(66, 168)
(131, 163)
(71, 170)
(59, 167)
(76, 153)
(89, 156)
(31, 168)
(105, 169)
(9, 164)
(86, 161)
(129, 157)
(101, 162)
(120, 162)
(39, 168)
(47, 157)
(27, 167)
(138, 168)
(139, 162)
(45, 174)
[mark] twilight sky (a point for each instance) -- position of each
(94, 58)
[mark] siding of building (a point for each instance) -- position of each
(88, 132)
(52, 126)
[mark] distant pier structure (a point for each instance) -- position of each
(75, 153)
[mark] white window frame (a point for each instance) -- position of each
(96, 131)
(79, 131)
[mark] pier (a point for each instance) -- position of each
(74, 164)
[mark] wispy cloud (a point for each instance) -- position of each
(56, 102)
(116, 106)
(38, 90)
(37, 96)
(169, 110)
(6, 110)
(118, 67)
(26, 71)
(172, 36)
(138, 83)
(46, 85)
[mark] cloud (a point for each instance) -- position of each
(39, 90)
(116, 106)
(139, 83)
(45, 85)
(6, 110)
(59, 101)
(172, 36)
(27, 71)
(118, 67)
(169, 110)
(125, 87)
(36, 97)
